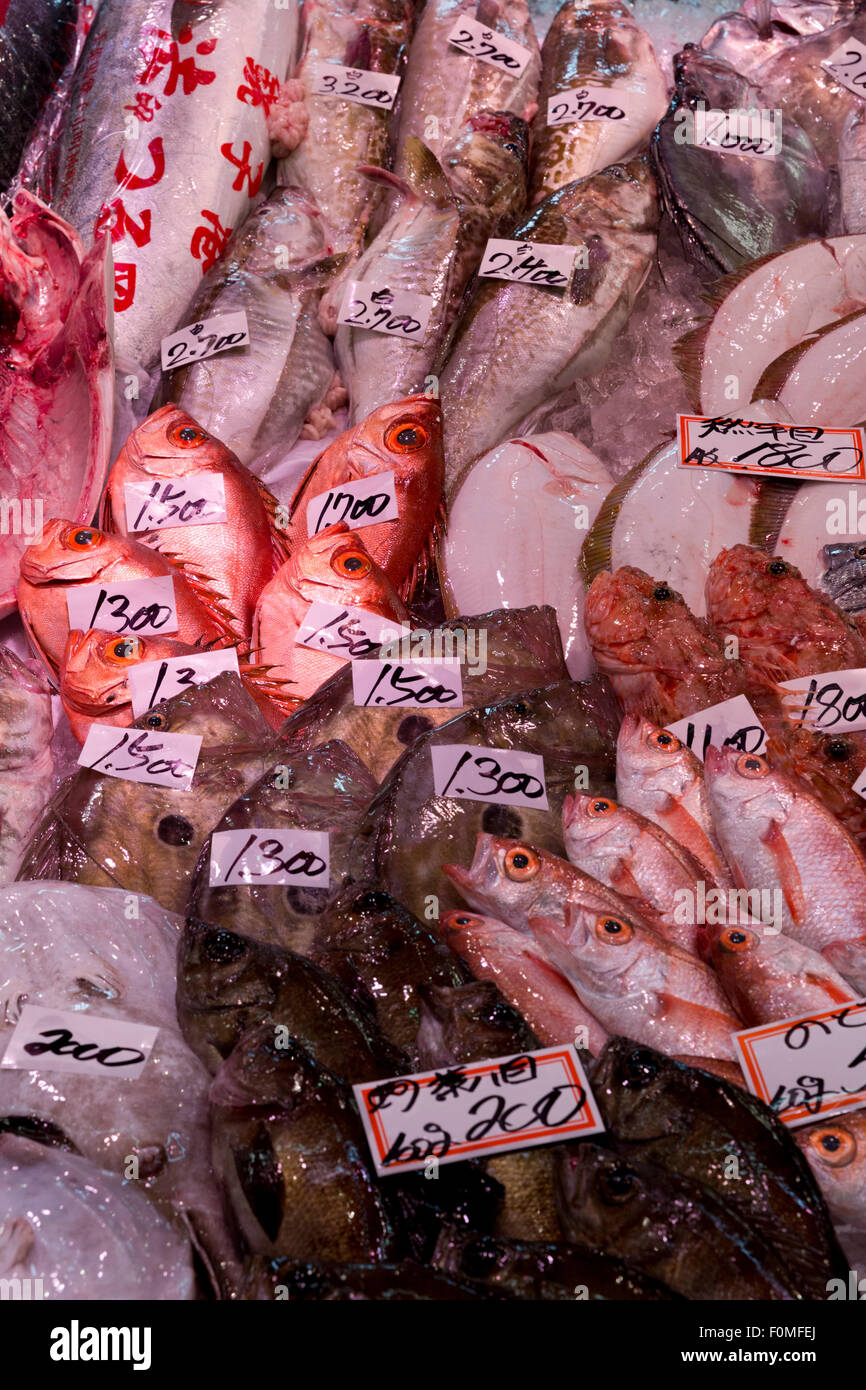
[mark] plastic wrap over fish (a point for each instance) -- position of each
(37, 40)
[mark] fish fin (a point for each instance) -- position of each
(279, 540)
(106, 513)
(425, 559)
(695, 1017)
(775, 496)
(304, 484)
(789, 877)
(52, 667)
(206, 590)
(595, 553)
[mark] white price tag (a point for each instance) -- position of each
(756, 134)
(345, 631)
(83, 1043)
(860, 785)
(205, 339)
(357, 84)
(142, 755)
(358, 504)
(489, 47)
(153, 681)
(197, 500)
(732, 724)
(781, 451)
(501, 775)
(134, 605)
(270, 857)
(847, 64)
(398, 312)
(809, 1066)
(590, 103)
(531, 263)
(481, 1108)
(832, 702)
(392, 684)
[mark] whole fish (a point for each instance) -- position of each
(292, 1158)
(37, 40)
(56, 377)
(338, 1283)
(844, 577)
(410, 831)
(332, 567)
(756, 32)
(719, 1135)
(271, 391)
(768, 977)
(598, 44)
(340, 135)
(325, 790)
(835, 1149)
(662, 779)
(852, 172)
(795, 81)
(662, 661)
(113, 833)
(26, 764)
(525, 499)
(71, 555)
(778, 837)
(431, 244)
(517, 344)
(535, 1270)
(403, 438)
(82, 1233)
(525, 975)
(443, 87)
(164, 145)
(503, 652)
(226, 563)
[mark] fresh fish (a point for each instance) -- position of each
(431, 243)
(68, 555)
(718, 1135)
(810, 384)
(814, 511)
(795, 81)
(403, 438)
(113, 833)
(26, 764)
(291, 1154)
(525, 975)
(56, 376)
(662, 661)
(844, 577)
(81, 1233)
(768, 977)
(521, 648)
(526, 500)
(747, 38)
(828, 767)
(262, 395)
(332, 567)
(410, 831)
(443, 87)
(534, 1270)
(852, 172)
(835, 1149)
(164, 146)
(325, 790)
(339, 1283)
(516, 345)
(226, 563)
(778, 837)
(338, 135)
(662, 779)
(594, 46)
(730, 210)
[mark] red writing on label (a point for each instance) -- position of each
(124, 285)
(165, 60)
(129, 178)
(244, 168)
(145, 106)
(114, 219)
(260, 87)
(208, 243)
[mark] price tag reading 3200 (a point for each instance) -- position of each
(502, 775)
(357, 84)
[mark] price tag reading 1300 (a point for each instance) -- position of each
(501, 775)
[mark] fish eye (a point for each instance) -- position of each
(222, 947)
(82, 538)
(860, 552)
(735, 939)
(155, 721)
(662, 592)
(640, 1068)
(126, 650)
(600, 807)
(371, 902)
(352, 564)
(513, 149)
(406, 437)
(522, 707)
(522, 863)
(613, 930)
(176, 830)
(750, 765)
(838, 750)
(663, 741)
(777, 567)
(617, 1185)
(464, 919)
(833, 1145)
(186, 436)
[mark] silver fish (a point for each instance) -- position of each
(844, 577)
(26, 763)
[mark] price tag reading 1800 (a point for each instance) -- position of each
(502, 775)
(377, 307)
(809, 1066)
(847, 64)
(142, 755)
(488, 46)
(357, 84)
(270, 857)
(834, 701)
(531, 263)
(135, 605)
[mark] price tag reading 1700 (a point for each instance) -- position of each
(205, 339)
(488, 46)
(135, 605)
(357, 84)
(531, 263)
(359, 504)
(270, 857)
(398, 312)
(810, 1066)
(502, 775)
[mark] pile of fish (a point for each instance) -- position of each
(227, 541)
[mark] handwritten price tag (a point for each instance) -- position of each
(847, 64)
(357, 84)
(152, 681)
(732, 724)
(860, 785)
(532, 263)
(487, 1107)
(809, 1066)
(501, 775)
(388, 684)
(345, 632)
(134, 605)
(205, 339)
(198, 500)
(590, 103)
(52, 1040)
(756, 133)
(780, 451)
(358, 504)
(272, 857)
(142, 755)
(489, 47)
(399, 312)
(833, 700)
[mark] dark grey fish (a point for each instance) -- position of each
(551, 1271)
(37, 40)
(303, 1283)
(844, 578)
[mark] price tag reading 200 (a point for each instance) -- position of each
(501, 775)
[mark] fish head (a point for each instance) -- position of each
(836, 1152)
(289, 218)
(169, 443)
(588, 819)
(261, 1075)
(404, 436)
(621, 197)
(222, 712)
(545, 720)
(601, 951)
(487, 162)
(25, 711)
(506, 878)
(602, 1198)
(640, 1088)
(634, 622)
(828, 765)
(227, 983)
(335, 566)
(95, 665)
(703, 77)
(469, 1023)
(745, 584)
(649, 756)
(67, 552)
(742, 787)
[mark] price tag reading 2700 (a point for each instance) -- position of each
(502, 775)
(489, 46)
(135, 605)
(401, 313)
(548, 265)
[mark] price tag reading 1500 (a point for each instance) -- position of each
(501, 775)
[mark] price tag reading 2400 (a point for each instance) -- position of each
(398, 312)
(502, 775)
(135, 605)
(270, 857)
(809, 1066)
(531, 263)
